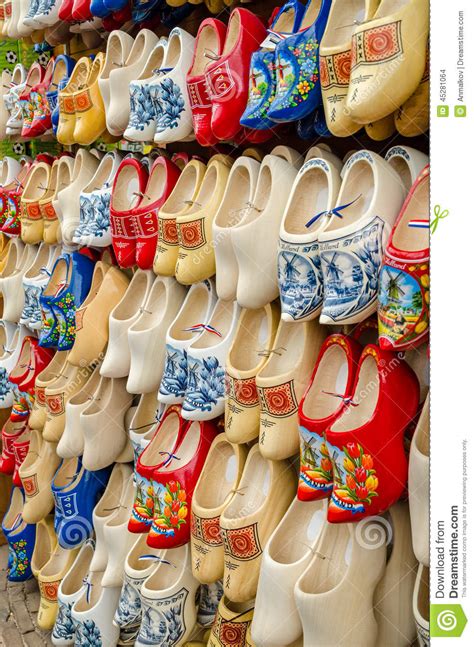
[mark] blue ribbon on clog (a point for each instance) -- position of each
(170, 457)
(88, 584)
(156, 558)
(345, 399)
(336, 211)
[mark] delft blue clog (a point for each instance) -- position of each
(66, 290)
(298, 85)
(171, 16)
(21, 538)
(262, 85)
(76, 492)
(142, 9)
(63, 65)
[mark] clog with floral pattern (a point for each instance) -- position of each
(298, 84)
(10, 215)
(366, 442)
(227, 78)
(40, 122)
(31, 361)
(322, 403)
(21, 539)
(10, 433)
(173, 484)
(34, 77)
(263, 79)
(403, 302)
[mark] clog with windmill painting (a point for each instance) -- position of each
(344, 559)
(262, 83)
(298, 83)
(313, 195)
(335, 62)
(281, 383)
(174, 482)
(216, 485)
(403, 309)
(388, 59)
(196, 308)
(249, 353)
(322, 403)
(276, 620)
(205, 388)
(265, 491)
(368, 459)
(352, 243)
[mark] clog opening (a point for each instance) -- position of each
(237, 196)
(97, 278)
(186, 451)
(138, 49)
(73, 582)
(402, 170)
(206, 190)
(252, 338)
(63, 177)
(34, 453)
(218, 477)
(174, 50)
(59, 72)
(389, 7)
(114, 55)
(37, 183)
(307, 519)
(207, 41)
(262, 194)
(330, 377)
(343, 19)
(15, 508)
(423, 595)
(70, 374)
(78, 78)
(41, 260)
(121, 516)
(67, 474)
(357, 192)
(163, 442)
(233, 32)
(101, 176)
(410, 238)
(112, 494)
(331, 562)
(57, 564)
(184, 190)
(95, 592)
(253, 488)
(18, 74)
(154, 62)
(145, 415)
(238, 608)
(43, 547)
(87, 391)
(289, 349)
(221, 321)
(26, 358)
(168, 574)
(154, 309)
(3, 338)
(155, 187)
(140, 549)
(194, 311)
(103, 396)
(53, 370)
(133, 298)
(286, 21)
(33, 78)
(125, 194)
(366, 395)
(95, 70)
(12, 261)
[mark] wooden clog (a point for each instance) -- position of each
(418, 485)
(45, 544)
(36, 473)
(421, 605)
(49, 579)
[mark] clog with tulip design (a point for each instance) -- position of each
(370, 467)
(21, 539)
(321, 404)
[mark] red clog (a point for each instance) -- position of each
(163, 176)
(20, 449)
(41, 121)
(10, 216)
(32, 360)
(366, 442)
(209, 40)
(65, 11)
(81, 10)
(10, 432)
(158, 452)
(34, 78)
(403, 300)
(331, 384)
(127, 190)
(227, 79)
(174, 483)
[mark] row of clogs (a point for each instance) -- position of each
(351, 59)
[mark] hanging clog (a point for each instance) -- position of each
(44, 379)
(421, 605)
(418, 485)
(233, 621)
(407, 163)
(20, 537)
(45, 545)
(49, 580)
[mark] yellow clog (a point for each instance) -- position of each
(67, 108)
(89, 106)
